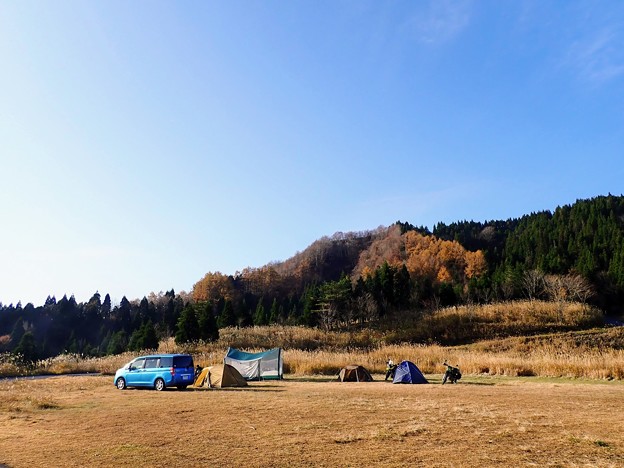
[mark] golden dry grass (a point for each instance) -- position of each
(547, 356)
(86, 421)
(595, 354)
(469, 323)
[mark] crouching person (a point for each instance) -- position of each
(452, 374)
(390, 369)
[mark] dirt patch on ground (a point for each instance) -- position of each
(86, 421)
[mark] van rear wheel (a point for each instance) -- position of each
(159, 385)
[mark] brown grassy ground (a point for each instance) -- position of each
(490, 421)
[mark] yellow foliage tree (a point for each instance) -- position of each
(475, 264)
(443, 275)
(214, 286)
(440, 260)
(261, 280)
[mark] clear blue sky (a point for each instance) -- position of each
(145, 143)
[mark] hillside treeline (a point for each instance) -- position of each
(94, 328)
(386, 277)
(585, 239)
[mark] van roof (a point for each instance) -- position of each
(162, 355)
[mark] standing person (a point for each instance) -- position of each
(390, 369)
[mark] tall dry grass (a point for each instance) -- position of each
(469, 323)
(595, 354)
(557, 357)
(10, 365)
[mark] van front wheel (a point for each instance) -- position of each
(159, 385)
(121, 383)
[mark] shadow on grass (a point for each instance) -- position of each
(436, 380)
(251, 388)
(313, 378)
(254, 388)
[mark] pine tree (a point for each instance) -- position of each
(136, 340)
(402, 287)
(227, 317)
(118, 343)
(187, 326)
(309, 300)
(27, 348)
(150, 338)
(260, 317)
(208, 329)
(274, 312)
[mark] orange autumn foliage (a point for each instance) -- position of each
(441, 260)
(213, 286)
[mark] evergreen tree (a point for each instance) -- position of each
(170, 318)
(18, 331)
(309, 317)
(117, 343)
(274, 312)
(187, 326)
(260, 317)
(106, 308)
(243, 314)
(150, 338)
(402, 287)
(92, 319)
(144, 337)
(385, 280)
(136, 340)
(208, 329)
(27, 348)
(227, 317)
(124, 314)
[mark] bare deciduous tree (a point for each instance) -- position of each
(367, 307)
(328, 315)
(579, 287)
(533, 283)
(563, 288)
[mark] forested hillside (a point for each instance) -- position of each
(382, 278)
(584, 239)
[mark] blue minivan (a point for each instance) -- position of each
(157, 371)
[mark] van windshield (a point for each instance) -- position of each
(182, 361)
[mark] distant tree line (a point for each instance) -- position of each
(377, 278)
(94, 328)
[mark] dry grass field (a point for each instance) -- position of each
(483, 421)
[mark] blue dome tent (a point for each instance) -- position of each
(407, 372)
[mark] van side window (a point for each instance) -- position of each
(166, 362)
(151, 363)
(138, 364)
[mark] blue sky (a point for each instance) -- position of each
(145, 143)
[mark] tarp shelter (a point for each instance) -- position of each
(256, 366)
(354, 374)
(220, 376)
(407, 372)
